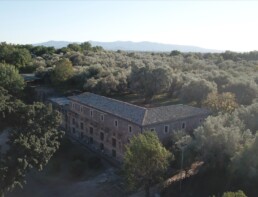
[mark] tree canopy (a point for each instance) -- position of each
(10, 79)
(197, 90)
(146, 161)
(150, 80)
(220, 139)
(62, 71)
(224, 102)
(33, 140)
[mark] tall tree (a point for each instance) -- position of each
(8, 107)
(224, 102)
(245, 165)
(197, 90)
(245, 91)
(10, 79)
(62, 72)
(86, 46)
(74, 47)
(145, 161)
(150, 80)
(220, 139)
(249, 116)
(20, 57)
(32, 142)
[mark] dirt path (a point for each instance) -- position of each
(104, 184)
(183, 174)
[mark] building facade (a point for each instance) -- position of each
(107, 125)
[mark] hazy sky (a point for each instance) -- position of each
(225, 25)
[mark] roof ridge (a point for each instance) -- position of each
(144, 116)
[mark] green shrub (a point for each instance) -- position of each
(239, 193)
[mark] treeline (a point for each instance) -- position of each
(189, 77)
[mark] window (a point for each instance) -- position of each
(73, 121)
(81, 109)
(114, 142)
(114, 153)
(101, 147)
(91, 130)
(91, 113)
(73, 130)
(82, 126)
(77, 107)
(91, 140)
(183, 125)
(152, 129)
(130, 128)
(84, 110)
(82, 135)
(166, 128)
(116, 123)
(102, 117)
(101, 136)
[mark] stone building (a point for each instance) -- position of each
(107, 124)
(62, 105)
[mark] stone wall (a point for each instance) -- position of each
(101, 130)
(109, 133)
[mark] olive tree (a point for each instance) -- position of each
(249, 116)
(245, 91)
(62, 71)
(149, 80)
(224, 102)
(146, 161)
(220, 138)
(197, 90)
(10, 79)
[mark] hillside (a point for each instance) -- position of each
(134, 46)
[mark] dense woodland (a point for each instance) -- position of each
(226, 83)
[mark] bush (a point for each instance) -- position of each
(234, 194)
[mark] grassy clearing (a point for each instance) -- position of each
(158, 100)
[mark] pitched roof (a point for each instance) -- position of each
(29, 77)
(171, 113)
(136, 114)
(124, 110)
(60, 101)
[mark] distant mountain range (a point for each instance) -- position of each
(133, 46)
